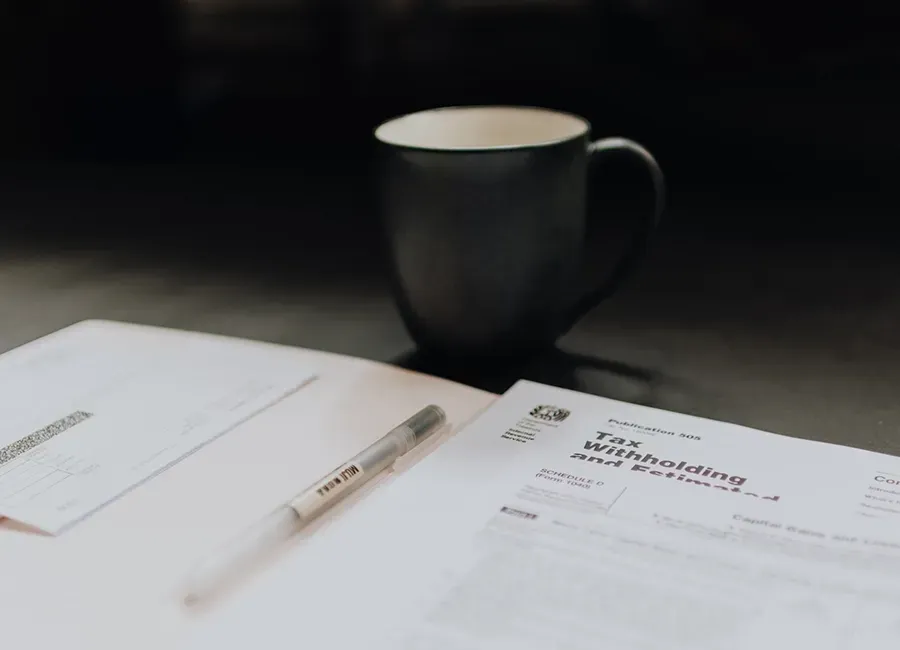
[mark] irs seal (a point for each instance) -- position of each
(549, 413)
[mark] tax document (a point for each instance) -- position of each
(562, 520)
(94, 410)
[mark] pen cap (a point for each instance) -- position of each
(426, 422)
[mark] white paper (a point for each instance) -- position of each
(94, 410)
(522, 532)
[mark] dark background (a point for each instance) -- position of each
(156, 119)
(790, 85)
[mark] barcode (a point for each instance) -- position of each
(343, 476)
(518, 513)
(41, 436)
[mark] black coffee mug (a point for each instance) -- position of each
(485, 215)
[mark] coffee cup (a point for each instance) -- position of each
(484, 211)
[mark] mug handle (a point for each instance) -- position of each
(638, 247)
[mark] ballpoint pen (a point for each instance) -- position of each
(313, 501)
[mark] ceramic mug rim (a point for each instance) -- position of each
(542, 127)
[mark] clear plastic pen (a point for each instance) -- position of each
(307, 506)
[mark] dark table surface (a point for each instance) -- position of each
(772, 310)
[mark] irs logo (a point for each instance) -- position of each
(549, 413)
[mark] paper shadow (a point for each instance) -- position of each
(18, 527)
(555, 367)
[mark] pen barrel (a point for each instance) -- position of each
(347, 478)
(312, 502)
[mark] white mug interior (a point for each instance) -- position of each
(481, 128)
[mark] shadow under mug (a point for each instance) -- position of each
(485, 215)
